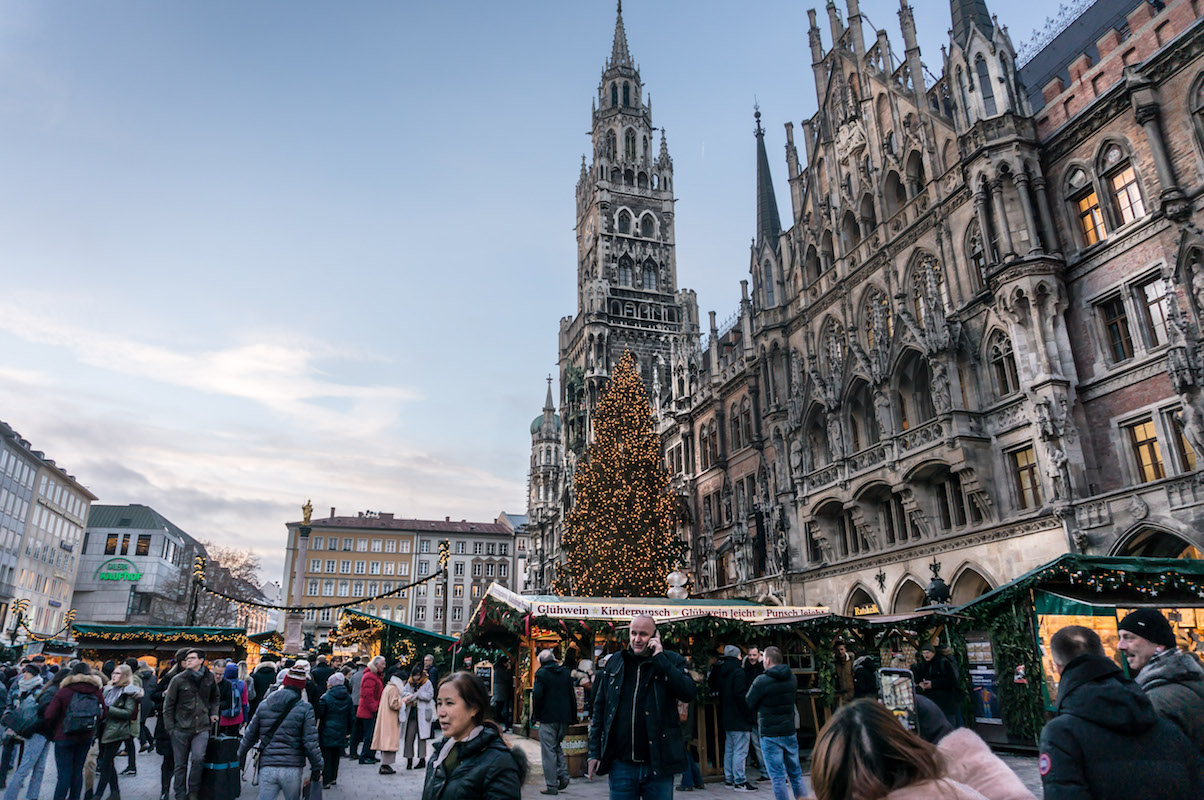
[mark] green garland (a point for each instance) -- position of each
(1014, 642)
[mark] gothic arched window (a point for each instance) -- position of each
(614, 95)
(984, 86)
(977, 254)
(625, 271)
(1120, 178)
(629, 145)
(648, 226)
(1196, 101)
(1085, 204)
(611, 145)
(746, 420)
(1003, 365)
(767, 279)
(850, 234)
(624, 223)
(626, 94)
(649, 276)
(734, 425)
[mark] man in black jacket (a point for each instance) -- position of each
(771, 698)
(286, 724)
(554, 707)
(727, 680)
(635, 733)
(754, 667)
(1107, 741)
(936, 678)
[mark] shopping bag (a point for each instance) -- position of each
(220, 776)
(312, 790)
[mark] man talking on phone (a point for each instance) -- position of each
(635, 733)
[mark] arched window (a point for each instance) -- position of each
(624, 223)
(746, 420)
(614, 95)
(895, 194)
(1121, 181)
(704, 448)
(1003, 365)
(734, 425)
(641, 180)
(611, 146)
(1085, 205)
(629, 145)
(629, 177)
(984, 86)
(648, 226)
(626, 94)
(863, 423)
(648, 278)
(915, 174)
(1003, 63)
(915, 391)
(625, 271)
(869, 220)
(714, 426)
(1196, 101)
(827, 251)
(850, 234)
(767, 279)
(811, 265)
(977, 255)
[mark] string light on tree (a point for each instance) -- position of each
(619, 539)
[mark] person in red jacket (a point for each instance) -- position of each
(371, 687)
(71, 746)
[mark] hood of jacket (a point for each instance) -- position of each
(341, 691)
(398, 681)
(555, 668)
(81, 681)
(488, 739)
(779, 672)
(1172, 666)
(1093, 688)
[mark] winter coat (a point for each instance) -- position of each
(425, 706)
(844, 678)
(123, 714)
(553, 698)
(771, 698)
(387, 735)
(149, 685)
(968, 760)
(320, 674)
(1174, 682)
(335, 717)
(487, 770)
(295, 740)
(371, 688)
(263, 677)
(943, 674)
(45, 698)
(503, 684)
(354, 680)
(865, 678)
(1108, 742)
(162, 738)
(56, 712)
(727, 679)
(190, 702)
(667, 684)
(943, 789)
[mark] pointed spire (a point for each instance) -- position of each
(969, 14)
(584, 175)
(618, 54)
(769, 224)
(547, 404)
(664, 159)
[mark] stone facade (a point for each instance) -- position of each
(977, 343)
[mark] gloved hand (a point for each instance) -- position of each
(315, 776)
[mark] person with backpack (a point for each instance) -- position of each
(32, 699)
(190, 706)
(74, 715)
(233, 702)
(123, 701)
(285, 729)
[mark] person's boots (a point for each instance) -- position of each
(421, 763)
(409, 763)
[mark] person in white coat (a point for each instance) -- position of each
(417, 712)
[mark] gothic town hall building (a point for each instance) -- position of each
(976, 341)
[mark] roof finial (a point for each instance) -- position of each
(757, 116)
(618, 54)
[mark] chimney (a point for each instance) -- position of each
(447, 519)
(332, 511)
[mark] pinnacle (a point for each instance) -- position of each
(619, 56)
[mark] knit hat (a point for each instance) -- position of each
(296, 677)
(230, 672)
(927, 646)
(1149, 624)
(731, 651)
(336, 679)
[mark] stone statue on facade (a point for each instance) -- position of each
(941, 399)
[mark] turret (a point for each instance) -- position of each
(817, 53)
(855, 31)
(915, 67)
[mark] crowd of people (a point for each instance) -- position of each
(289, 724)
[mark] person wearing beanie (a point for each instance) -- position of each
(286, 723)
(233, 700)
(730, 683)
(1171, 678)
(336, 714)
(1107, 742)
(936, 678)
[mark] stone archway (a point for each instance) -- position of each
(1150, 542)
(969, 585)
(859, 598)
(908, 597)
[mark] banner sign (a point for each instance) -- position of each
(117, 569)
(624, 610)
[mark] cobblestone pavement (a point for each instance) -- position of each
(364, 782)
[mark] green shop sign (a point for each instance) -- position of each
(117, 569)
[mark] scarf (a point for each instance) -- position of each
(417, 680)
(112, 694)
(28, 683)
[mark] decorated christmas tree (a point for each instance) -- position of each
(619, 540)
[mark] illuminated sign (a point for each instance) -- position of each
(117, 569)
(865, 611)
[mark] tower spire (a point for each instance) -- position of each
(967, 15)
(769, 224)
(547, 404)
(618, 53)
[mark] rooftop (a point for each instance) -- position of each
(381, 521)
(134, 517)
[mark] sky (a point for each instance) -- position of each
(258, 253)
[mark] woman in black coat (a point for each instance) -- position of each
(335, 716)
(473, 761)
(162, 737)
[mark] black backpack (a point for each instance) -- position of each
(83, 713)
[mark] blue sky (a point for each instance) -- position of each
(252, 254)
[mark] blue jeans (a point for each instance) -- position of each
(735, 752)
(692, 777)
(784, 769)
(636, 782)
(274, 780)
(33, 766)
(69, 757)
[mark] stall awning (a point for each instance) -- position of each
(357, 620)
(125, 637)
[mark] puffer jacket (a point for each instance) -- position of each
(1174, 682)
(263, 677)
(968, 760)
(295, 740)
(1108, 743)
(122, 719)
(487, 770)
(771, 698)
(943, 789)
(190, 702)
(727, 680)
(335, 716)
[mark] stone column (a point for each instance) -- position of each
(984, 226)
(1149, 118)
(1026, 206)
(1005, 236)
(293, 620)
(1047, 223)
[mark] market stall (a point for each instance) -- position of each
(363, 634)
(156, 643)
